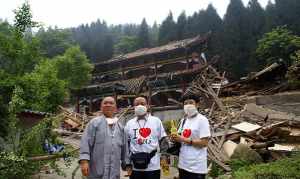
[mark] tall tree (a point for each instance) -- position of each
(271, 16)
(289, 14)
(154, 30)
(74, 68)
(108, 49)
(167, 30)
(92, 38)
(256, 17)
(55, 41)
(181, 23)
(5, 28)
(130, 29)
(212, 19)
(23, 18)
(235, 38)
(143, 36)
(127, 44)
(17, 55)
(191, 26)
(214, 24)
(257, 24)
(41, 89)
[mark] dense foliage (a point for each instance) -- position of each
(35, 80)
(285, 168)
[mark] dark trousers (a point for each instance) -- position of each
(183, 174)
(145, 174)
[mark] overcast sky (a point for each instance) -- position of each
(71, 13)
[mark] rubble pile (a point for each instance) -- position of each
(243, 112)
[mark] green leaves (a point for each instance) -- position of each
(55, 41)
(43, 91)
(293, 73)
(30, 81)
(143, 36)
(167, 30)
(74, 68)
(18, 56)
(284, 168)
(12, 165)
(127, 44)
(278, 44)
(23, 18)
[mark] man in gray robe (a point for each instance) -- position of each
(104, 144)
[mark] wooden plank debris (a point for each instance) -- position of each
(279, 147)
(246, 127)
(229, 147)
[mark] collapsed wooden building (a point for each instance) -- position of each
(267, 123)
(163, 74)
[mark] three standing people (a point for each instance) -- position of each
(106, 142)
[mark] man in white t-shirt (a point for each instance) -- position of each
(145, 133)
(194, 135)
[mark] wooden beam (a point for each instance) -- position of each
(49, 157)
(155, 65)
(91, 104)
(123, 73)
(213, 94)
(218, 92)
(77, 105)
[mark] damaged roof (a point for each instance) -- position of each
(186, 43)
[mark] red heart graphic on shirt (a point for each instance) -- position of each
(145, 132)
(187, 133)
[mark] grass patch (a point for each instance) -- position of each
(288, 168)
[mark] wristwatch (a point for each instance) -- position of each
(191, 142)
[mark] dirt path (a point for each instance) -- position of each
(68, 171)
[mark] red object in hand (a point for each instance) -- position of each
(145, 132)
(187, 133)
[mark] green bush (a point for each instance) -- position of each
(244, 156)
(293, 74)
(287, 168)
(13, 166)
(280, 43)
(216, 171)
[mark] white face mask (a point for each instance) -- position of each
(111, 121)
(190, 110)
(140, 110)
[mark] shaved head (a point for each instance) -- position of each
(108, 98)
(108, 106)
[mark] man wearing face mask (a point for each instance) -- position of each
(145, 133)
(194, 134)
(104, 144)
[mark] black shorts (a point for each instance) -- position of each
(183, 174)
(145, 174)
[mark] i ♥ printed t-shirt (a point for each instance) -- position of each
(194, 159)
(144, 136)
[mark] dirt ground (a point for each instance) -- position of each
(68, 171)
